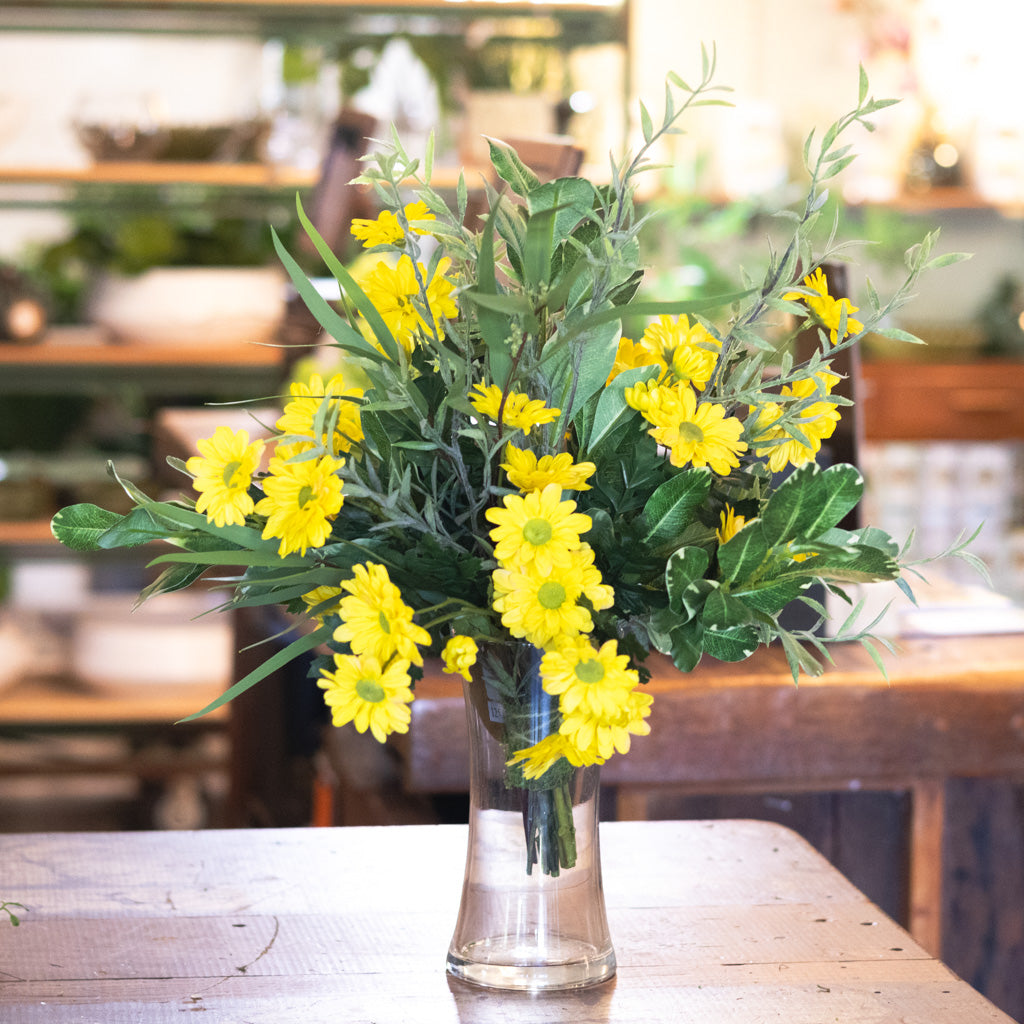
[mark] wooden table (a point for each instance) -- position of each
(726, 921)
(953, 708)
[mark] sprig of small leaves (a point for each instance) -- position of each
(6, 908)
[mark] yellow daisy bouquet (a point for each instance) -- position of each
(513, 473)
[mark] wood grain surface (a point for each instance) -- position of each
(718, 922)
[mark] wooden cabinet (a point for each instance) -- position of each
(908, 401)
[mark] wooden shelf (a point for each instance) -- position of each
(86, 347)
(26, 532)
(918, 401)
(139, 172)
(212, 175)
(947, 198)
(589, 18)
(65, 702)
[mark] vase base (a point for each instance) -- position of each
(586, 967)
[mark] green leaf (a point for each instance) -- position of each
(540, 242)
(173, 578)
(510, 168)
(611, 406)
(743, 553)
(494, 326)
(723, 611)
(673, 506)
(332, 322)
(770, 597)
(571, 199)
(798, 657)
(233, 556)
(653, 309)
(684, 567)
(646, 124)
(810, 501)
(695, 596)
(581, 370)
(277, 660)
(138, 527)
(735, 644)
(686, 644)
(80, 527)
(362, 301)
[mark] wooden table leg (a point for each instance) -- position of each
(927, 827)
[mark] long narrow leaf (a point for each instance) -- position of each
(362, 301)
(331, 321)
(278, 660)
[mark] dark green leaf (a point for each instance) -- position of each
(673, 506)
(80, 527)
(810, 501)
(743, 553)
(736, 644)
(277, 660)
(683, 568)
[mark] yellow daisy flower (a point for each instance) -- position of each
(375, 620)
(529, 473)
(540, 608)
(302, 499)
(395, 291)
(697, 434)
(359, 690)
(631, 355)
(386, 229)
(817, 422)
(587, 680)
(519, 411)
(600, 736)
(642, 395)
(542, 756)
(223, 474)
(730, 524)
(537, 529)
(300, 412)
(459, 656)
(318, 595)
(690, 351)
(827, 310)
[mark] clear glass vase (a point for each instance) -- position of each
(532, 914)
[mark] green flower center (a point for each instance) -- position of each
(551, 595)
(537, 532)
(230, 469)
(591, 671)
(382, 621)
(690, 432)
(370, 690)
(306, 494)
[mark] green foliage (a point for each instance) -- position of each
(6, 907)
(544, 285)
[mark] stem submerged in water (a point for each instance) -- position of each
(550, 830)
